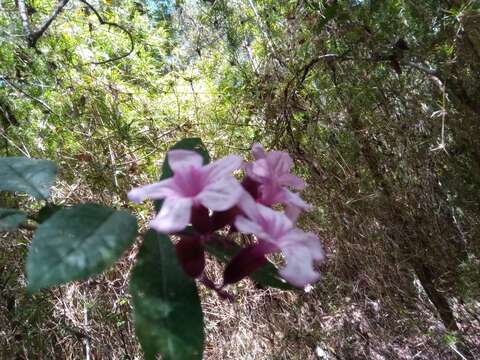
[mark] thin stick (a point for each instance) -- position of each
(102, 21)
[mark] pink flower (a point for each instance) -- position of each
(272, 172)
(191, 186)
(276, 232)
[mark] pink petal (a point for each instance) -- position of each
(291, 180)
(298, 238)
(247, 226)
(271, 193)
(249, 206)
(182, 159)
(293, 199)
(260, 169)
(299, 270)
(316, 249)
(221, 195)
(258, 151)
(154, 191)
(280, 162)
(275, 223)
(250, 174)
(223, 167)
(173, 216)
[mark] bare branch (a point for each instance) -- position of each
(19, 89)
(33, 38)
(102, 21)
(22, 9)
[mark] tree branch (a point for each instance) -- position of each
(33, 36)
(19, 89)
(22, 9)
(102, 21)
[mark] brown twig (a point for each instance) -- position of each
(102, 21)
(19, 89)
(33, 36)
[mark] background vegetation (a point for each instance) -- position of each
(378, 103)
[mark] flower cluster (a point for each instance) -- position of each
(210, 198)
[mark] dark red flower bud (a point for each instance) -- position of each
(221, 219)
(191, 255)
(247, 261)
(201, 219)
(251, 186)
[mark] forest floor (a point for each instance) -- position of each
(92, 320)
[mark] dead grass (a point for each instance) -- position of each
(92, 319)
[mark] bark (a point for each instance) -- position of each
(33, 36)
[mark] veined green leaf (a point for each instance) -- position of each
(167, 313)
(77, 243)
(31, 176)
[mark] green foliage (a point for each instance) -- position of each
(167, 313)
(34, 177)
(10, 219)
(321, 79)
(77, 243)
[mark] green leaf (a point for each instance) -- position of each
(76, 243)
(11, 218)
(194, 144)
(34, 177)
(167, 313)
(329, 13)
(267, 275)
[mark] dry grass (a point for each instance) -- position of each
(92, 319)
(95, 316)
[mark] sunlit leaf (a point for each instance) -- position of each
(34, 177)
(77, 243)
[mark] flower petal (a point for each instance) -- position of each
(222, 167)
(173, 216)
(279, 162)
(249, 206)
(293, 199)
(181, 159)
(294, 205)
(260, 169)
(258, 151)
(275, 223)
(298, 238)
(154, 191)
(247, 226)
(299, 270)
(291, 180)
(221, 195)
